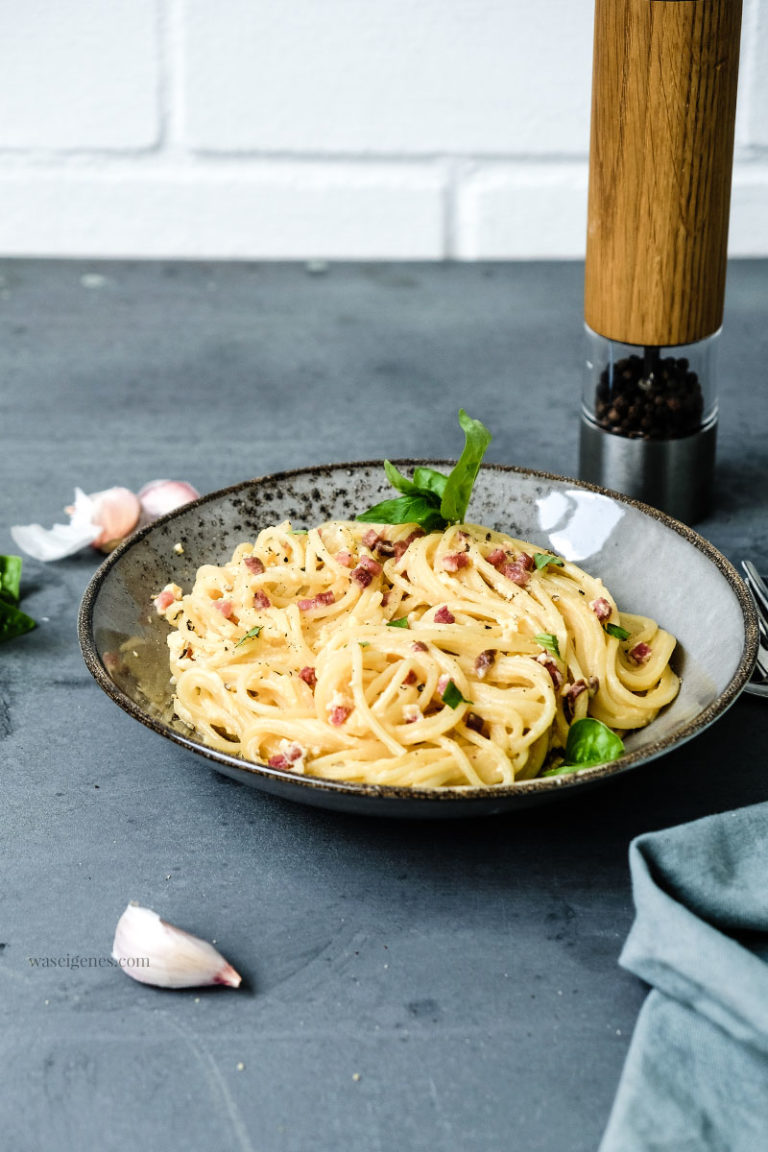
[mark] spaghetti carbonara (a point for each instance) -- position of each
(383, 655)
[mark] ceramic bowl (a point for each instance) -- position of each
(652, 564)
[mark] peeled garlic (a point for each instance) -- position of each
(154, 952)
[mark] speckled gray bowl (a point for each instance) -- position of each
(652, 564)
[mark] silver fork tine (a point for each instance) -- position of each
(759, 591)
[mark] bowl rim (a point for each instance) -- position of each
(386, 792)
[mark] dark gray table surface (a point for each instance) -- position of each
(407, 985)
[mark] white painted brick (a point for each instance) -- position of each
(523, 211)
(467, 77)
(80, 74)
(286, 211)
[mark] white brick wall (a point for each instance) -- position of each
(360, 129)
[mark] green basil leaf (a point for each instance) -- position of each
(402, 622)
(458, 489)
(430, 480)
(299, 531)
(421, 510)
(549, 641)
(249, 635)
(589, 742)
(617, 631)
(402, 483)
(452, 697)
(541, 559)
(13, 622)
(10, 578)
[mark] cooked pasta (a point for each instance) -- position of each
(383, 655)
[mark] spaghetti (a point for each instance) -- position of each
(384, 655)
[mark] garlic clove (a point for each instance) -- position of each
(116, 512)
(161, 496)
(154, 952)
(63, 539)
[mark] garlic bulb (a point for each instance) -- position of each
(116, 511)
(161, 496)
(154, 952)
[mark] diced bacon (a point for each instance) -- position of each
(516, 572)
(402, 546)
(163, 600)
(385, 599)
(455, 560)
(365, 571)
(601, 608)
(555, 674)
(497, 557)
(411, 713)
(411, 678)
(419, 646)
(473, 721)
(526, 562)
(253, 564)
(572, 691)
(443, 683)
(385, 547)
(339, 714)
(444, 615)
(641, 653)
(371, 538)
(345, 558)
(318, 601)
(309, 676)
(226, 607)
(291, 755)
(484, 661)
(261, 600)
(278, 761)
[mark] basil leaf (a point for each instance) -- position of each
(10, 578)
(402, 483)
(430, 480)
(541, 559)
(402, 622)
(299, 531)
(549, 641)
(589, 742)
(452, 697)
(249, 635)
(618, 632)
(13, 622)
(458, 489)
(421, 510)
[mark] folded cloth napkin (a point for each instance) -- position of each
(696, 1074)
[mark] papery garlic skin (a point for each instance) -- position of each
(161, 496)
(152, 951)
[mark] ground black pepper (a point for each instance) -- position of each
(649, 398)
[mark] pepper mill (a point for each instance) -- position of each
(661, 159)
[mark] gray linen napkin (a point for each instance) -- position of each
(696, 1074)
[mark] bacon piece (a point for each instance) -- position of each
(473, 721)
(339, 714)
(278, 761)
(641, 653)
(516, 572)
(526, 562)
(555, 674)
(419, 646)
(292, 753)
(345, 558)
(444, 615)
(401, 546)
(497, 557)
(455, 561)
(163, 601)
(365, 571)
(411, 713)
(442, 683)
(318, 601)
(572, 691)
(411, 678)
(309, 676)
(371, 538)
(253, 564)
(261, 600)
(601, 608)
(226, 607)
(484, 661)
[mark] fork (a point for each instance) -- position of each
(758, 685)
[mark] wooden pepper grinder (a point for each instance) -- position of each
(661, 158)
